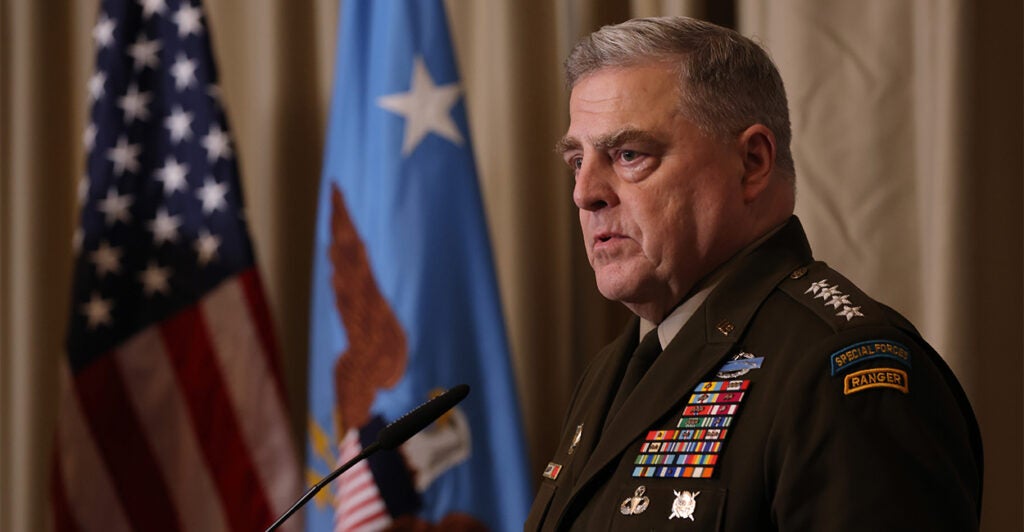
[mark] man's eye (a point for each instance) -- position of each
(629, 155)
(576, 163)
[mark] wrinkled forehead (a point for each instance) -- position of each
(620, 101)
(631, 88)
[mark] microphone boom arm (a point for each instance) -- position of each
(388, 438)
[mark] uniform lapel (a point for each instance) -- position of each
(685, 360)
(607, 370)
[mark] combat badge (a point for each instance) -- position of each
(740, 364)
(684, 505)
(636, 504)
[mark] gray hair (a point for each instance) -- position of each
(728, 82)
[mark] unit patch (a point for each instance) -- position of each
(693, 449)
(859, 381)
(552, 470)
(864, 351)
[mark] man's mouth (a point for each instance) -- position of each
(605, 237)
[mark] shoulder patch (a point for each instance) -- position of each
(867, 379)
(851, 355)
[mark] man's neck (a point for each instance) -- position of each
(674, 322)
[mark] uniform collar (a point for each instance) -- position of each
(673, 323)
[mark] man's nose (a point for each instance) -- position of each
(594, 188)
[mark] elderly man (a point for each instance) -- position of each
(768, 392)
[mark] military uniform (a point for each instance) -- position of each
(789, 401)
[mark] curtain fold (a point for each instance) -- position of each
(907, 138)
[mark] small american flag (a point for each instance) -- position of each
(172, 410)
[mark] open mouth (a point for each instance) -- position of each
(602, 238)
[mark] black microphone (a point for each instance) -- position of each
(388, 438)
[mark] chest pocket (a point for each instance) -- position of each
(669, 506)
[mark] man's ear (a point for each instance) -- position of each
(757, 145)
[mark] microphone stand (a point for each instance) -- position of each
(390, 437)
(370, 449)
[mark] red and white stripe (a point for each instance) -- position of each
(358, 505)
(182, 427)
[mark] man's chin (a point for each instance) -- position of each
(618, 289)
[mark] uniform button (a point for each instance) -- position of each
(798, 273)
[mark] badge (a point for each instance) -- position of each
(740, 364)
(725, 327)
(849, 312)
(831, 295)
(684, 505)
(552, 470)
(576, 438)
(636, 504)
(859, 381)
(871, 349)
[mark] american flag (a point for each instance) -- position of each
(172, 410)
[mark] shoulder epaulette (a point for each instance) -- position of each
(834, 298)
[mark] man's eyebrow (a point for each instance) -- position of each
(566, 144)
(608, 141)
(622, 136)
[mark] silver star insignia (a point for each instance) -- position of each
(815, 287)
(839, 300)
(849, 312)
(828, 293)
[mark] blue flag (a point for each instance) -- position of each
(405, 300)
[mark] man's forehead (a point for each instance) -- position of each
(623, 81)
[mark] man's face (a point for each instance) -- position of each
(659, 199)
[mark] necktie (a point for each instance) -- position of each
(639, 362)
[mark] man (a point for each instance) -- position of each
(771, 393)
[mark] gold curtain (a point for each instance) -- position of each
(907, 136)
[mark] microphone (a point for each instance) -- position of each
(388, 438)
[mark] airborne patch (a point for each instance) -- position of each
(864, 351)
(859, 381)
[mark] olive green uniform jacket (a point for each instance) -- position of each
(845, 419)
